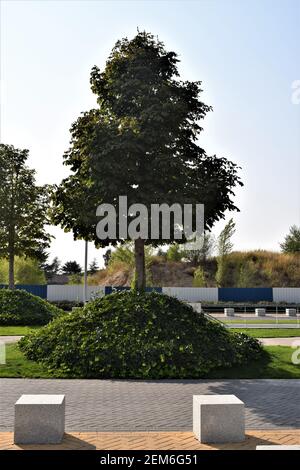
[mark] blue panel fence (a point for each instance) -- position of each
(245, 294)
(223, 294)
(39, 290)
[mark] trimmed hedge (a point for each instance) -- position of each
(18, 307)
(137, 335)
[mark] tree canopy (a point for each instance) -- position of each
(291, 243)
(23, 209)
(141, 142)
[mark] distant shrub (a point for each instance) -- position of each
(66, 305)
(18, 307)
(199, 278)
(175, 253)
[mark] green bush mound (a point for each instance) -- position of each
(18, 307)
(137, 335)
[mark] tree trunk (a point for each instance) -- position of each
(140, 271)
(11, 270)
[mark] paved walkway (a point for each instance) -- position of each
(115, 405)
(294, 341)
(10, 339)
(277, 326)
(154, 441)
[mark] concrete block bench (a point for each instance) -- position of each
(260, 312)
(39, 419)
(218, 418)
(290, 312)
(196, 306)
(278, 447)
(229, 312)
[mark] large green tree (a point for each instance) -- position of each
(23, 209)
(141, 142)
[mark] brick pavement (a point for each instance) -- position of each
(115, 405)
(153, 441)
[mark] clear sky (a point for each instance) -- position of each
(245, 52)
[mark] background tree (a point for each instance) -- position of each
(225, 247)
(93, 267)
(291, 243)
(141, 141)
(23, 209)
(174, 252)
(51, 269)
(27, 271)
(71, 267)
(199, 278)
(106, 257)
(200, 256)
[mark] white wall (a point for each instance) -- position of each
(72, 292)
(193, 294)
(286, 294)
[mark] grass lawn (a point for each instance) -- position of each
(271, 321)
(17, 330)
(277, 365)
(269, 332)
(18, 366)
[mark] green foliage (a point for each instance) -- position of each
(199, 277)
(124, 254)
(291, 243)
(71, 267)
(66, 305)
(247, 274)
(225, 244)
(27, 271)
(51, 269)
(141, 141)
(137, 335)
(93, 267)
(75, 279)
(222, 271)
(202, 254)
(18, 307)
(23, 209)
(175, 253)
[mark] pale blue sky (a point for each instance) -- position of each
(245, 52)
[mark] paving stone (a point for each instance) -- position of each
(167, 405)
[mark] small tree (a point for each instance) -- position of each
(51, 269)
(200, 256)
(291, 243)
(93, 267)
(225, 247)
(174, 253)
(27, 271)
(71, 267)
(247, 275)
(106, 257)
(199, 278)
(23, 210)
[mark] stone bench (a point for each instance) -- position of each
(260, 312)
(290, 312)
(229, 312)
(278, 447)
(218, 418)
(39, 419)
(196, 306)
